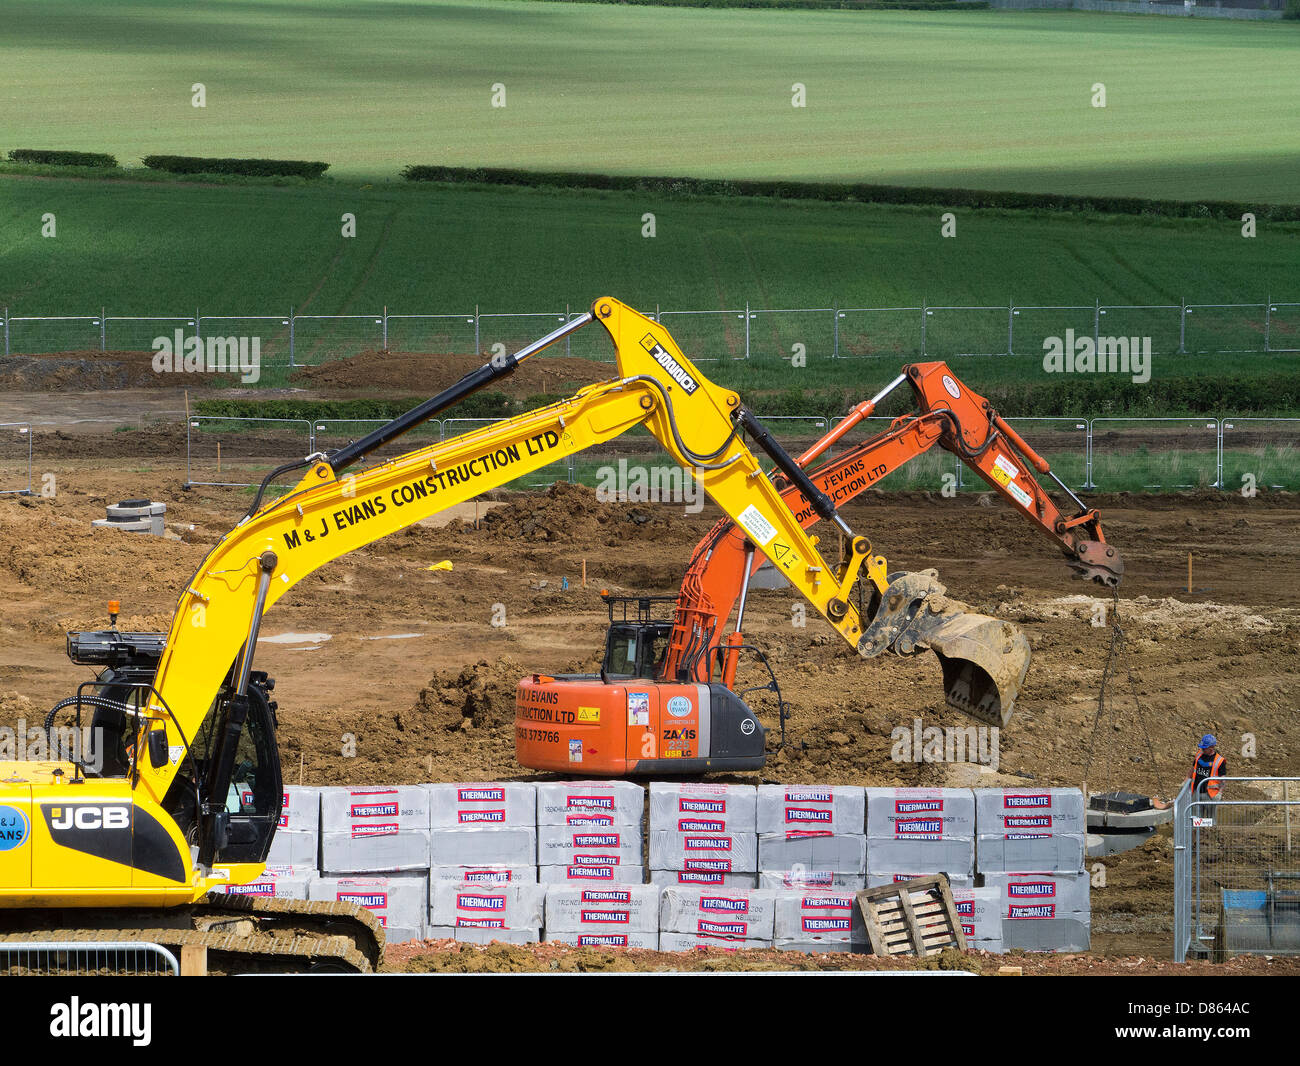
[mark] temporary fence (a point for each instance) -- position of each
(56, 958)
(813, 334)
(15, 458)
(1107, 454)
(1237, 869)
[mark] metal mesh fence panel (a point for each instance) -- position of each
(707, 336)
(122, 334)
(1031, 326)
(1237, 869)
(15, 458)
(323, 338)
(787, 335)
(273, 333)
(953, 331)
(891, 332)
(45, 336)
(1141, 454)
(1284, 327)
(1162, 323)
(242, 451)
(1211, 328)
(1063, 442)
(436, 334)
(86, 958)
(330, 434)
(512, 332)
(1261, 453)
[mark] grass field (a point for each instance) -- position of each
(171, 248)
(168, 248)
(1195, 108)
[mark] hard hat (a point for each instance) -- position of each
(1208, 741)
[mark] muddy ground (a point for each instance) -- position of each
(416, 672)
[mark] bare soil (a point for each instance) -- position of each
(438, 705)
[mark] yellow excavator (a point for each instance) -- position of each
(188, 796)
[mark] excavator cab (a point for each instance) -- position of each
(636, 643)
(249, 808)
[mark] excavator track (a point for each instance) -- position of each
(242, 934)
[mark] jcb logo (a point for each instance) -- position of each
(679, 734)
(90, 817)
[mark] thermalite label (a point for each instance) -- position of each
(808, 816)
(724, 905)
(809, 795)
(918, 806)
(702, 806)
(602, 940)
(1031, 889)
(375, 901)
(608, 917)
(480, 817)
(1027, 821)
(469, 902)
(1020, 801)
(700, 825)
(760, 530)
(1032, 910)
(816, 924)
(481, 795)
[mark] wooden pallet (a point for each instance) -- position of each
(916, 917)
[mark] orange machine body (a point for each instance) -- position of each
(579, 724)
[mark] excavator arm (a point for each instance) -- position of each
(328, 514)
(952, 416)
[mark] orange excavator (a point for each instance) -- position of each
(665, 700)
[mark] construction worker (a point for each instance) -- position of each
(1208, 771)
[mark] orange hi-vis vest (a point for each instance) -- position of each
(1212, 784)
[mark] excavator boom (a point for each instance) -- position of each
(984, 661)
(194, 802)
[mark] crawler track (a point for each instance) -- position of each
(243, 934)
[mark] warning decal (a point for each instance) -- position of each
(760, 530)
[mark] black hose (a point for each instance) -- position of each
(101, 702)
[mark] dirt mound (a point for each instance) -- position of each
(425, 373)
(91, 369)
(479, 696)
(572, 514)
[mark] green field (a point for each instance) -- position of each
(994, 100)
(171, 248)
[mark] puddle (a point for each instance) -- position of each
(296, 638)
(396, 636)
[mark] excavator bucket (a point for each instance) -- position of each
(984, 660)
